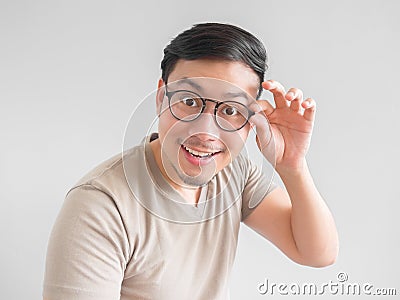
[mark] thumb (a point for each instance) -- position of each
(262, 105)
(264, 136)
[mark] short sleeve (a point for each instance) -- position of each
(87, 250)
(257, 186)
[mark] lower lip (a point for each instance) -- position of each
(197, 161)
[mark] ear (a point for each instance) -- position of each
(160, 95)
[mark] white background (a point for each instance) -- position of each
(72, 72)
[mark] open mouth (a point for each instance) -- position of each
(199, 154)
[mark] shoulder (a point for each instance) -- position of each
(112, 169)
(103, 197)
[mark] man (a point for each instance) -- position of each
(161, 221)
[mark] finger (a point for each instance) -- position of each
(295, 105)
(295, 96)
(262, 129)
(262, 105)
(278, 91)
(310, 107)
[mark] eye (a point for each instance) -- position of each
(229, 110)
(190, 101)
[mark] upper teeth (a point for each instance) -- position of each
(197, 153)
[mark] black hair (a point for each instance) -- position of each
(216, 40)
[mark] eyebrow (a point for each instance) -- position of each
(190, 82)
(236, 95)
(193, 84)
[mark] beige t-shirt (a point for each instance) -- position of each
(124, 233)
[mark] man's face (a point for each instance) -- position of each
(193, 152)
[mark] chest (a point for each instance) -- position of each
(174, 261)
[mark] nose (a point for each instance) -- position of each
(210, 106)
(206, 122)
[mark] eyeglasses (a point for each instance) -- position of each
(187, 106)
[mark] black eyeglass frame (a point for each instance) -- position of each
(169, 95)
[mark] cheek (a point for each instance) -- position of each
(236, 140)
(234, 143)
(166, 122)
(171, 130)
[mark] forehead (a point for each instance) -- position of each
(229, 75)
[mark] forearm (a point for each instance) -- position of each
(313, 228)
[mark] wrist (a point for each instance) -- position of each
(298, 169)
